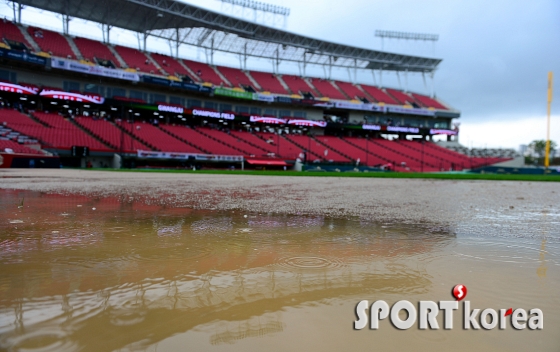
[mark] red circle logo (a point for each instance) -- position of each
(459, 292)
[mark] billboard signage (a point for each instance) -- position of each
(233, 93)
(264, 119)
(74, 66)
(16, 88)
(23, 56)
(56, 94)
(213, 114)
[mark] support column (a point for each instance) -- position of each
(17, 11)
(355, 71)
(212, 51)
(381, 78)
(245, 57)
(406, 80)
(65, 24)
(176, 43)
(145, 39)
(433, 90)
(304, 63)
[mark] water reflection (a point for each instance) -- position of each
(76, 265)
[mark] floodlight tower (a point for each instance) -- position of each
(271, 15)
(408, 36)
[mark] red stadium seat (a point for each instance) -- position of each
(205, 73)
(51, 42)
(268, 82)
(378, 95)
(326, 89)
(92, 49)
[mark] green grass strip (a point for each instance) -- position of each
(440, 176)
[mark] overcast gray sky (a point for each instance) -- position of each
(496, 54)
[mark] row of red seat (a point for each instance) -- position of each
(53, 130)
(17, 148)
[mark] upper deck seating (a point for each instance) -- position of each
(428, 102)
(92, 49)
(235, 76)
(399, 96)
(171, 65)
(268, 82)
(326, 89)
(51, 42)
(136, 59)
(351, 90)
(378, 95)
(296, 84)
(205, 73)
(10, 31)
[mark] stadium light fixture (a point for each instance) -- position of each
(260, 6)
(406, 35)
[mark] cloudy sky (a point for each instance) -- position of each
(496, 54)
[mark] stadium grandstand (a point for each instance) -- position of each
(74, 97)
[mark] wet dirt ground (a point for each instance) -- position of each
(99, 261)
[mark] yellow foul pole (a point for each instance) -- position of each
(549, 100)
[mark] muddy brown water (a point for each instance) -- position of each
(104, 273)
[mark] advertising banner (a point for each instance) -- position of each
(156, 80)
(186, 156)
(439, 131)
(411, 111)
(311, 123)
(362, 106)
(233, 93)
(23, 56)
(56, 94)
(212, 114)
(264, 119)
(263, 97)
(70, 65)
(16, 88)
(402, 129)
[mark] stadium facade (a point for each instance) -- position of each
(75, 97)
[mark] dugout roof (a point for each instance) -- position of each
(188, 24)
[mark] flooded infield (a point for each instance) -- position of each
(104, 273)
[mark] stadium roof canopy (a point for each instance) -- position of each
(188, 24)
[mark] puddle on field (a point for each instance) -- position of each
(106, 274)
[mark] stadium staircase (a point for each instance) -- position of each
(156, 64)
(201, 140)
(326, 88)
(221, 75)
(74, 48)
(110, 134)
(415, 148)
(51, 42)
(236, 77)
(368, 147)
(269, 82)
(330, 142)
(393, 151)
(256, 142)
(231, 141)
(287, 149)
(28, 38)
(304, 143)
(253, 82)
